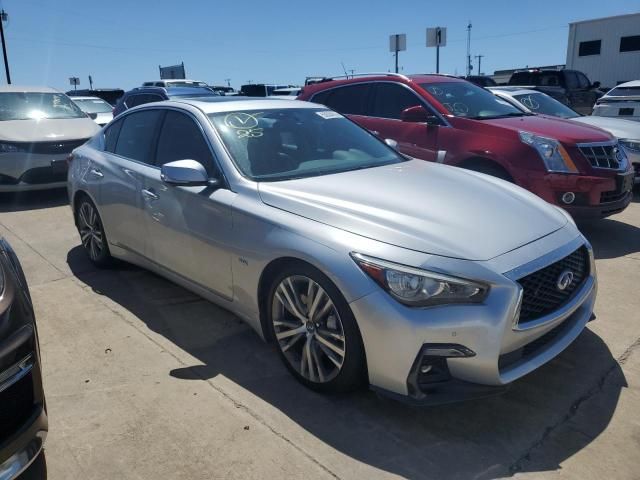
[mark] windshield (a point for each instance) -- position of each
(624, 92)
(93, 105)
(281, 144)
(37, 105)
(544, 104)
(464, 99)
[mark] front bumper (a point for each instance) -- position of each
(395, 336)
(32, 171)
(595, 196)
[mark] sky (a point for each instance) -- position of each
(121, 43)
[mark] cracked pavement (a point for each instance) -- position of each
(146, 380)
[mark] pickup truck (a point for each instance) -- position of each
(570, 87)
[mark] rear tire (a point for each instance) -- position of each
(315, 331)
(92, 234)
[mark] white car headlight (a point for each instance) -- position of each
(631, 145)
(420, 288)
(553, 154)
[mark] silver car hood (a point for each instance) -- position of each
(422, 206)
(47, 130)
(617, 127)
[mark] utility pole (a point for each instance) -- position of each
(468, 68)
(90, 83)
(479, 57)
(3, 18)
(228, 80)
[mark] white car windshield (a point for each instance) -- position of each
(464, 99)
(281, 144)
(36, 106)
(544, 104)
(93, 105)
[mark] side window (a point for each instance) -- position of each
(350, 99)
(572, 80)
(111, 136)
(136, 135)
(391, 99)
(583, 80)
(181, 139)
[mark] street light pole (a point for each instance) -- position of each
(468, 68)
(3, 18)
(479, 57)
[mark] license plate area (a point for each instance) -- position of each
(59, 165)
(625, 112)
(624, 182)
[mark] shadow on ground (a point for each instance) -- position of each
(36, 200)
(483, 439)
(612, 238)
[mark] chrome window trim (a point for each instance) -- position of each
(422, 101)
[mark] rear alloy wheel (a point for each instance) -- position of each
(315, 331)
(92, 234)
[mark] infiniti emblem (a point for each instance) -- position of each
(564, 280)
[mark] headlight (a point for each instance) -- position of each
(420, 288)
(10, 148)
(631, 145)
(553, 154)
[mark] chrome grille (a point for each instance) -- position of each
(602, 156)
(541, 294)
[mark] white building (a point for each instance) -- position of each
(607, 49)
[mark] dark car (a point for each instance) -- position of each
(142, 95)
(481, 80)
(23, 414)
(109, 95)
(570, 87)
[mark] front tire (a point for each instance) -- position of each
(315, 332)
(92, 233)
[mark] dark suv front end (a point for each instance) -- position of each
(23, 417)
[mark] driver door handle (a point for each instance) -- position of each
(149, 194)
(96, 173)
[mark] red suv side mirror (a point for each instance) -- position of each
(418, 114)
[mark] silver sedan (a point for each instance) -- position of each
(427, 282)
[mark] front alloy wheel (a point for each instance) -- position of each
(315, 332)
(92, 233)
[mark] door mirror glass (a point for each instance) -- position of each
(188, 173)
(418, 114)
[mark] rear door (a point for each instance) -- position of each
(129, 153)
(389, 99)
(351, 100)
(589, 95)
(189, 227)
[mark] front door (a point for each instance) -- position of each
(189, 227)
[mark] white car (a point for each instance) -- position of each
(287, 92)
(621, 101)
(100, 111)
(533, 101)
(178, 82)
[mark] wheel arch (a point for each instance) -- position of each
(478, 161)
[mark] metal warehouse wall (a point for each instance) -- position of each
(611, 66)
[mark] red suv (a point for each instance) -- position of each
(452, 121)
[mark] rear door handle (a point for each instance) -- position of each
(96, 173)
(149, 194)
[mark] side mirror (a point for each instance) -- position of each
(186, 173)
(595, 84)
(92, 116)
(418, 114)
(391, 142)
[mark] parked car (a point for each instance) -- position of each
(287, 92)
(356, 261)
(481, 80)
(181, 82)
(621, 101)
(23, 412)
(260, 89)
(223, 90)
(449, 120)
(142, 95)
(532, 101)
(570, 87)
(109, 95)
(97, 109)
(39, 127)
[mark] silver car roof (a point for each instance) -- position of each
(27, 89)
(230, 104)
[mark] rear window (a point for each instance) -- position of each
(93, 105)
(37, 105)
(539, 79)
(624, 92)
